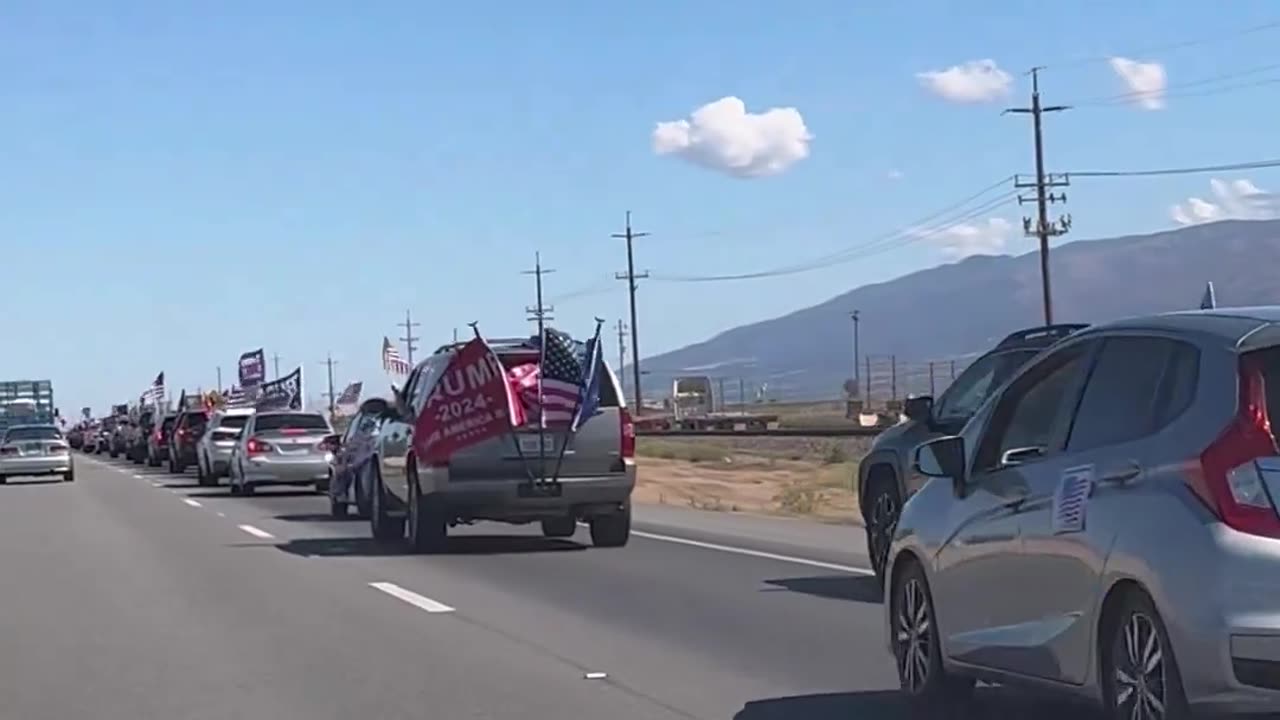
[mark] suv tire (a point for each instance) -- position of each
(882, 506)
(428, 526)
(612, 530)
(382, 526)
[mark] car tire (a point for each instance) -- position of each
(428, 528)
(560, 527)
(179, 467)
(363, 501)
(383, 527)
(612, 530)
(882, 507)
(1134, 643)
(917, 650)
(3, 480)
(337, 508)
(69, 476)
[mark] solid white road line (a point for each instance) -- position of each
(413, 598)
(754, 553)
(256, 532)
(192, 503)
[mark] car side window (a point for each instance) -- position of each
(1036, 409)
(962, 398)
(1137, 385)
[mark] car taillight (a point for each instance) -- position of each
(157, 436)
(57, 447)
(1233, 482)
(256, 446)
(628, 429)
(8, 450)
(327, 445)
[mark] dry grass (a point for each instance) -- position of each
(811, 477)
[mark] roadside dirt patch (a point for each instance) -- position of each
(804, 477)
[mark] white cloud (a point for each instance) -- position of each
(976, 81)
(1234, 200)
(723, 136)
(896, 175)
(1146, 81)
(965, 239)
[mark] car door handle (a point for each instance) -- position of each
(1121, 475)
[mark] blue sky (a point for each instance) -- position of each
(180, 182)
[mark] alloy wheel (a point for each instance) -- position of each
(1139, 670)
(913, 634)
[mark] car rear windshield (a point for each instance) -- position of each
(167, 425)
(299, 421)
(233, 421)
(32, 433)
(197, 418)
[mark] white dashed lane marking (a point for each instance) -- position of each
(192, 503)
(419, 601)
(256, 532)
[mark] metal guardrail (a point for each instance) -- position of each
(775, 432)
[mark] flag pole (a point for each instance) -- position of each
(475, 329)
(593, 360)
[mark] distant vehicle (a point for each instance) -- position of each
(75, 438)
(187, 429)
(158, 442)
(136, 449)
(213, 450)
(92, 433)
(120, 436)
(490, 480)
(34, 450)
(27, 402)
(353, 449)
(883, 480)
(281, 448)
(694, 405)
(1106, 525)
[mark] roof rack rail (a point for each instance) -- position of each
(1052, 332)
(493, 343)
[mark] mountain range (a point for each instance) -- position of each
(962, 308)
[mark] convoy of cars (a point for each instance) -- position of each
(1087, 510)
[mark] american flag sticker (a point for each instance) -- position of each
(1072, 499)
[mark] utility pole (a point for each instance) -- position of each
(621, 327)
(631, 277)
(275, 361)
(1043, 228)
(219, 379)
(539, 313)
(330, 362)
(408, 338)
(455, 335)
(854, 316)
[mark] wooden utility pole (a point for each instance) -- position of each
(621, 327)
(330, 362)
(1042, 227)
(275, 361)
(631, 277)
(409, 338)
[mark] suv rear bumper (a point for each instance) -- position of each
(509, 501)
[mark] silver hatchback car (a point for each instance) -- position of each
(1106, 525)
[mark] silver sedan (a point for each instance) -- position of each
(35, 450)
(281, 448)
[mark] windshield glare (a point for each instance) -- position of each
(976, 383)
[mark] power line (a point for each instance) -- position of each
(1228, 167)
(852, 252)
(1166, 47)
(1175, 90)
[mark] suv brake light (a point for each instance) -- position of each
(257, 447)
(628, 430)
(1233, 482)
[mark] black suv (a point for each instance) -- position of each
(885, 479)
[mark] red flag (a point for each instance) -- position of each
(471, 401)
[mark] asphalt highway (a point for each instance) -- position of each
(132, 594)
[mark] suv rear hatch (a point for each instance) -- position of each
(596, 449)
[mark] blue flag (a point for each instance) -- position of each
(593, 372)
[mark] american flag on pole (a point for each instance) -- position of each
(154, 393)
(561, 386)
(351, 395)
(391, 360)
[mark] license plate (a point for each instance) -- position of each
(32, 448)
(294, 450)
(531, 444)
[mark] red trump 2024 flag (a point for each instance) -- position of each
(471, 401)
